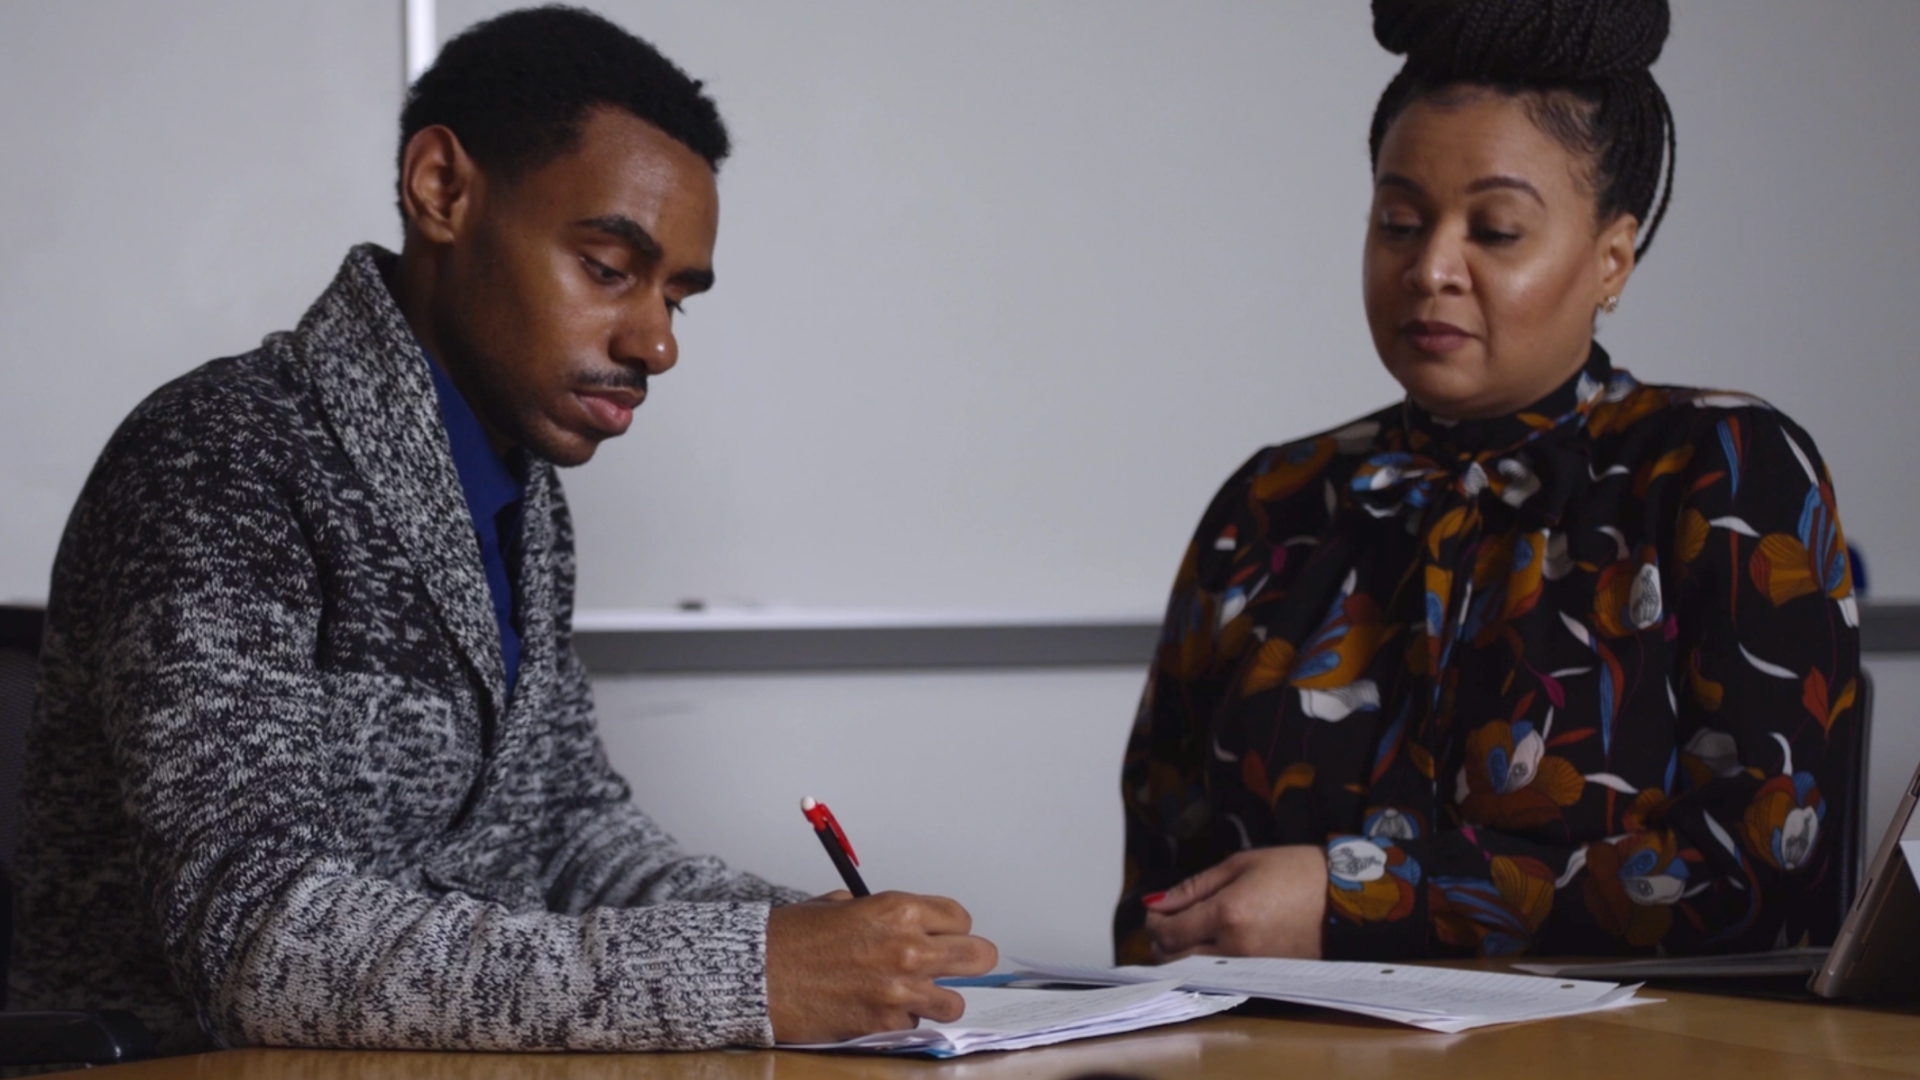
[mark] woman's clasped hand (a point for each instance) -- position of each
(1263, 902)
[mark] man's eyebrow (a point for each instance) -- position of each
(694, 281)
(635, 236)
(624, 228)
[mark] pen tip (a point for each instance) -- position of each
(807, 803)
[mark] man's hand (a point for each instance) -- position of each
(838, 968)
(1264, 902)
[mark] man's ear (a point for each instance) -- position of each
(1616, 255)
(438, 184)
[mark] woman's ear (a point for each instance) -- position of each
(1615, 251)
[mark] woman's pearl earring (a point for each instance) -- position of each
(1610, 304)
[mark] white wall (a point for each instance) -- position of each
(176, 180)
(1006, 287)
(1001, 789)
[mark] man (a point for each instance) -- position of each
(315, 762)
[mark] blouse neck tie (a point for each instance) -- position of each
(1531, 461)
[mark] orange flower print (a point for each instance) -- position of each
(1270, 666)
(1510, 781)
(1290, 468)
(1668, 463)
(1706, 693)
(1782, 823)
(1613, 416)
(1372, 881)
(1327, 673)
(1496, 915)
(1811, 560)
(1632, 883)
(1507, 574)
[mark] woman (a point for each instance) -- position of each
(1542, 658)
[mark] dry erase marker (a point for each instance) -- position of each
(835, 841)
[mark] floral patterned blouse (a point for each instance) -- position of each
(1580, 680)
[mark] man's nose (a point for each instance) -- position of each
(646, 336)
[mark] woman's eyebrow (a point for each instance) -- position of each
(1485, 183)
(1512, 183)
(1395, 180)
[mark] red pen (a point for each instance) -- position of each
(835, 841)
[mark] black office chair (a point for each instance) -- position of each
(40, 1038)
(1855, 844)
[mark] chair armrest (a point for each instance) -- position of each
(72, 1038)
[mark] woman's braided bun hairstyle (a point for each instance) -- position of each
(1581, 65)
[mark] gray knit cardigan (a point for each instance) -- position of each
(276, 791)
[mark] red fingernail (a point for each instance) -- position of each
(1152, 898)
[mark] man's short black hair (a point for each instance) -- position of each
(516, 89)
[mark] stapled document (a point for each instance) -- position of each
(1006, 1018)
(1433, 998)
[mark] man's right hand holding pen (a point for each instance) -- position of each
(840, 966)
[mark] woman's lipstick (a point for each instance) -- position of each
(1434, 337)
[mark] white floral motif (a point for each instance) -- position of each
(1356, 860)
(1559, 561)
(1392, 824)
(1526, 762)
(1797, 835)
(1653, 889)
(1522, 484)
(1717, 751)
(1338, 704)
(1644, 604)
(1385, 477)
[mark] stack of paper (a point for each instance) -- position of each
(1437, 999)
(1003, 1018)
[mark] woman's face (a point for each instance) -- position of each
(1484, 262)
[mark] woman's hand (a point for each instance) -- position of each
(1264, 902)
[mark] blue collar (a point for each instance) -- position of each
(493, 495)
(489, 485)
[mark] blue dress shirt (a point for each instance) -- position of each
(493, 499)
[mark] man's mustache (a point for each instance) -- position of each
(625, 379)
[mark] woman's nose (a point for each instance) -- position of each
(1438, 268)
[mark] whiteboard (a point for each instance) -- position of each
(1006, 288)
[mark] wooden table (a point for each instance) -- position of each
(1690, 1036)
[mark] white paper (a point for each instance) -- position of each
(1004, 1018)
(1438, 999)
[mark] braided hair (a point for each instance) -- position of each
(1580, 66)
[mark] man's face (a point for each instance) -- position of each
(555, 302)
